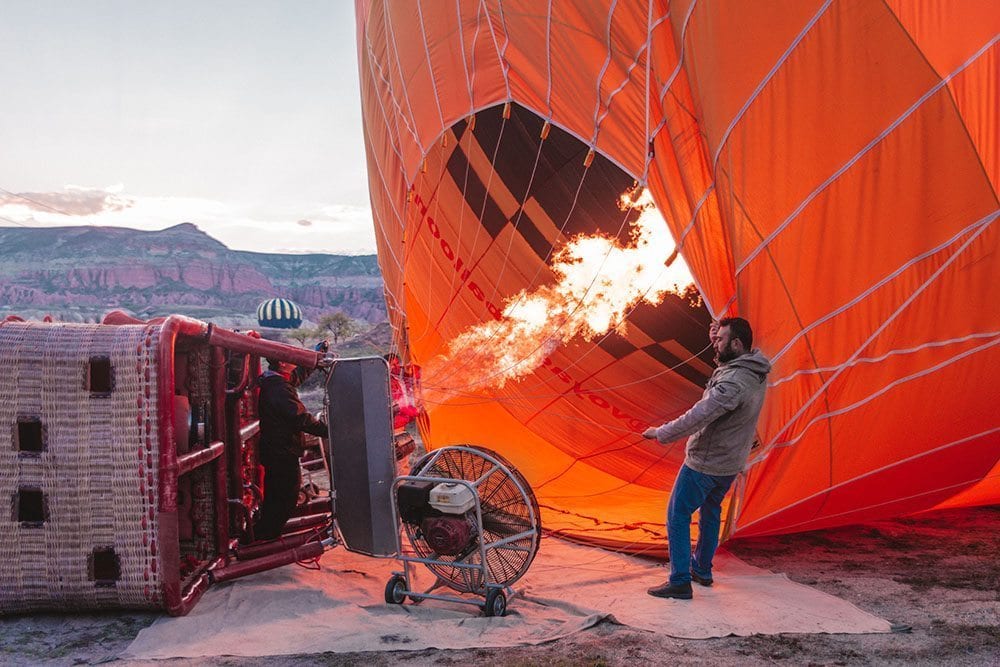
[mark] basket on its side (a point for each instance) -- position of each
(99, 448)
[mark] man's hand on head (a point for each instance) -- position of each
(713, 331)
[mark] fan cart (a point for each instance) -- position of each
(472, 519)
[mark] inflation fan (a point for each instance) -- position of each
(472, 519)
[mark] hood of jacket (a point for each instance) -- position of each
(753, 361)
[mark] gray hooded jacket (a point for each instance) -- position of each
(724, 420)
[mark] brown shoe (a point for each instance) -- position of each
(675, 591)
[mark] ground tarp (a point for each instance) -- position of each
(340, 608)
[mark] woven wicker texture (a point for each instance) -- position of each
(97, 471)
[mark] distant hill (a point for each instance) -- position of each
(79, 273)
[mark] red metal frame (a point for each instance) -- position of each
(229, 435)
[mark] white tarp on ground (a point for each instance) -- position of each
(341, 608)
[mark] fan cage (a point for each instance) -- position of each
(510, 523)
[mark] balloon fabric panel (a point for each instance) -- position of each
(828, 170)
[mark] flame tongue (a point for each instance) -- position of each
(599, 281)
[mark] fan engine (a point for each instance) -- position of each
(442, 515)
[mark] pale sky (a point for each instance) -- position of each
(243, 118)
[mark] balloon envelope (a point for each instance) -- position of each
(829, 171)
(279, 314)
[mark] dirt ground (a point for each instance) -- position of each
(936, 576)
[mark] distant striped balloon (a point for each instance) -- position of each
(279, 314)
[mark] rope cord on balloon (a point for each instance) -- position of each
(373, 62)
(627, 77)
(947, 487)
(482, 210)
(603, 526)
(548, 60)
(650, 26)
(476, 398)
(524, 293)
(430, 67)
(454, 369)
(600, 525)
(882, 357)
(910, 299)
(501, 53)
(598, 119)
(458, 368)
(600, 77)
(577, 360)
(520, 213)
(399, 70)
(668, 450)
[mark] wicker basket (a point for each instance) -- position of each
(79, 467)
(118, 460)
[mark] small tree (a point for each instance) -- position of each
(337, 325)
(301, 335)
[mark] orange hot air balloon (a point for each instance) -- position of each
(829, 170)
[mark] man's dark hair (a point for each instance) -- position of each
(273, 364)
(739, 329)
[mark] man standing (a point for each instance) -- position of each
(283, 419)
(723, 424)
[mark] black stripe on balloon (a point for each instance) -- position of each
(534, 238)
(492, 218)
(518, 147)
(557, 176)
(479, 200)
(674, 319)
(459, 128)
(673, 361)
(616, 346)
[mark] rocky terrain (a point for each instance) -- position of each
(78, 273)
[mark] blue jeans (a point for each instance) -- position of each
(694, 491)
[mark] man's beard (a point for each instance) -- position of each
(726, 355)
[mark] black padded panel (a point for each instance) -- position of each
(362, 461)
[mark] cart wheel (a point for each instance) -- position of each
(496, 602)
(395, 590)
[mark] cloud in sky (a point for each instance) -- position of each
(283, 227)
(74, 201)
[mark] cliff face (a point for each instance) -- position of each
(92, 269)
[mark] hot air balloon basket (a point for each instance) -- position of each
(108, 466)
